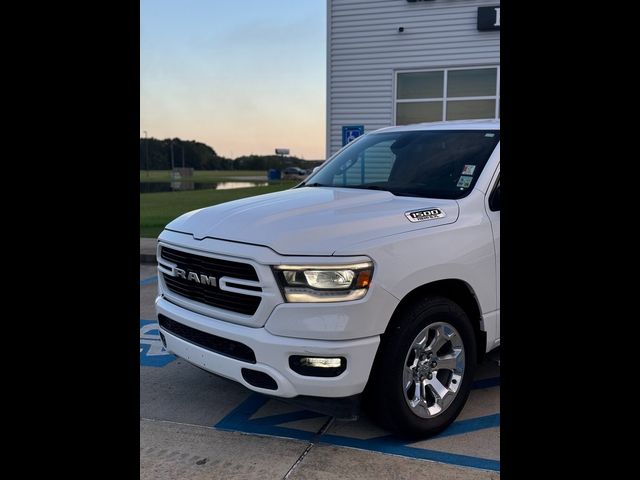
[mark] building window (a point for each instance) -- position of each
(448, 94)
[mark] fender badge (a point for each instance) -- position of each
(425, 214)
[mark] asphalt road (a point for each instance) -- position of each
(194, 425)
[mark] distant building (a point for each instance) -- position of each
(394, 62)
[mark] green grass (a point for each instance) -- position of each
(158, 209)
(201, 176)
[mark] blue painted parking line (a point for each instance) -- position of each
(286, 418)
(471, 425)
(148, 281)
(463, 426)
(240, 420)
(394, 446)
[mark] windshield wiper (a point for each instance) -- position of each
(407, 194)
(361, 187)
(314, 185)
(364, 187)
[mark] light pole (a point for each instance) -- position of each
(146, 146)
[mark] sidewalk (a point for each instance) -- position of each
(148, 250)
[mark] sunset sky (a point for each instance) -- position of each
(243, 76)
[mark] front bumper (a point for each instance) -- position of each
(272, 354)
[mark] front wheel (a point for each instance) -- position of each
(424, 370)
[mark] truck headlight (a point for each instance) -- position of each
(324, 283)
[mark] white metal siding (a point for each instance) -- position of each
(364, 49)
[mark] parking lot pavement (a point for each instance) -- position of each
(196, 425)
(329, 462)
(170, 451)
(148, 290)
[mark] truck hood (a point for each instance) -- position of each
(311, 220)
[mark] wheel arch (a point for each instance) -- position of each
(456, 290)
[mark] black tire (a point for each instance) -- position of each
(385, 396)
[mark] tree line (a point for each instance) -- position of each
(155, 154)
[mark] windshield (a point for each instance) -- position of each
(435, 163)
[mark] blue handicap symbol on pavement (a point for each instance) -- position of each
(240, 420)
(152, 353)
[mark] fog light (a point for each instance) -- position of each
(321, 362)
(318, 366)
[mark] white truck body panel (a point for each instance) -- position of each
(335, 226)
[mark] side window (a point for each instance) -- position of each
(494, 199)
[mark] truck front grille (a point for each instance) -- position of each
(208, 294)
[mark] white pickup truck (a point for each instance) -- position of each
(375, 282)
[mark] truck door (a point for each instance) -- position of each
(492, 206)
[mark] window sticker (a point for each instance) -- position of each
(468, 169)
(490, 135)
(464, 181)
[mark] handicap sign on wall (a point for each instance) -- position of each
(152, 352)
(351, 132)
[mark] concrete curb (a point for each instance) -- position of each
(148, 250)
(146, 258)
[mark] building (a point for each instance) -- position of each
(394, 62)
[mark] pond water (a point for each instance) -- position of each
(152, 187)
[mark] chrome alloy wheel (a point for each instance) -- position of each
(433, 370)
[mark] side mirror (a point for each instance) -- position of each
(315, 170)
(494, 200)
